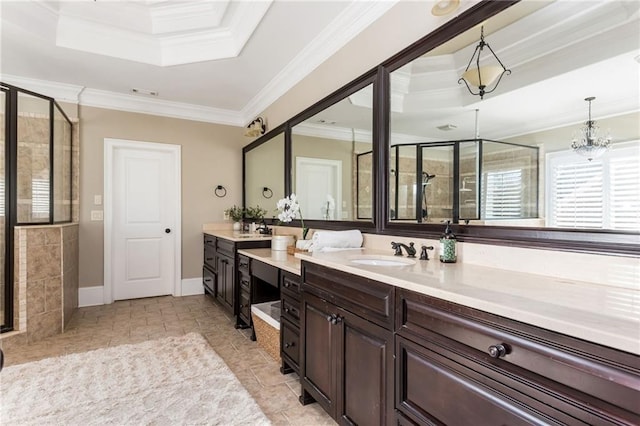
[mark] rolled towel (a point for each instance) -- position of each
(336, 239)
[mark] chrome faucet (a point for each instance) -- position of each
(410, 249)
(263, 228)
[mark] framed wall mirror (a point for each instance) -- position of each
(332, 162)
(264, 175)
(521, 169)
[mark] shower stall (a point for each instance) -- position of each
(35, 178)
(463, 181)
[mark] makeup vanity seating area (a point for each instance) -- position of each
(433, 343)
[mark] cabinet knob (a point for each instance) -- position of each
(241, 306)
(329, 317)
(497, 351)
(286, 310)
(286, 284)
(289, 345)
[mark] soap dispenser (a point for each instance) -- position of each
(448, 246)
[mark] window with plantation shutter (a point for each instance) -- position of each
(600, 194)
(503, 194)
(40, 198)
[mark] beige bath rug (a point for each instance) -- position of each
(171, 381)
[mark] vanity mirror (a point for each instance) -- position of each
(264, 172)
(527, 174)
(418, 148)
(330, 177)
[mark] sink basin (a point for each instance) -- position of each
(382, 261)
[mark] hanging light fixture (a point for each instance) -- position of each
(586, 141)
(482, 77)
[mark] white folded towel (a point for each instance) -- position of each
(336, 239)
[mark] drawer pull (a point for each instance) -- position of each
(208, 280)
(497, 351)
(289, 345)
(208, 259)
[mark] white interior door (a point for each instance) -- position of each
(142, 205)
(317, 182)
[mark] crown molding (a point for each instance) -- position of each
(134, 103)
(351, 22)
(61, 92)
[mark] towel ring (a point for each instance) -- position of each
(220, 191)
(267, 193)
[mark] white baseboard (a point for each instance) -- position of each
(94, 296)
(90, 296)
(192, 286)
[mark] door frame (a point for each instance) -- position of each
(336, 167)
(110, 146)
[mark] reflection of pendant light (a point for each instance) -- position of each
(482, 76)
(588, 143)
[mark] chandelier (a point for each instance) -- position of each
(586, 141)
(482, 77)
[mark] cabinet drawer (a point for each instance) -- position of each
(290, 341)
(209, 280)
(291, 309)
(210, 257)
(369, 299)
(563, 363)
(267, 273)
(226, 247)
(245, 306)
(433, 389)
(245, 282)
(290, 284)
(243, 264)
(209, 240)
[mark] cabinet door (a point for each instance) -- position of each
(318, 367)
(365, 371)
(226, 270)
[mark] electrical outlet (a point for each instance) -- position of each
(225, 215)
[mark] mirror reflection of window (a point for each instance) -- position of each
(556, 62)
(330, 177)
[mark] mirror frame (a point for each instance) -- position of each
(599, 241)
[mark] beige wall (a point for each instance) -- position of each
(211, 155)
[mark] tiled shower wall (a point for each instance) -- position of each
(46, 279)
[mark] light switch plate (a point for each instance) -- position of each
(97, 200)
(96, 215)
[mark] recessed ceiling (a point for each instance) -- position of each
(211, 60)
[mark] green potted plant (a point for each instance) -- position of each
(256, 213)
(235, 213)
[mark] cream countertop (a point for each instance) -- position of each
(279, 259)
(236, 236)
(602, 314)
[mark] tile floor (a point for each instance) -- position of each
(152, 318)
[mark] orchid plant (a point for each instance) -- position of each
(288, 208)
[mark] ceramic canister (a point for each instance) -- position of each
(280, 242)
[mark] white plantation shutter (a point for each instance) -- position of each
(503, 194)
(624, 197)
(600, 194)
(40, 197)
(577, 194)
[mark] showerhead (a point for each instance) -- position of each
(426, 177)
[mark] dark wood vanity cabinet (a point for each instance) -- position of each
(347, 346)
(289, 322)
(220, 276)
(373, 354)
(456, 365)
(259, 282)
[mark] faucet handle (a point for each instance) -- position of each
(397, 248)
(423, 254)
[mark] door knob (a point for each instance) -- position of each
(167, 230)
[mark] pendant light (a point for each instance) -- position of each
(586, 141)
(482, 77)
